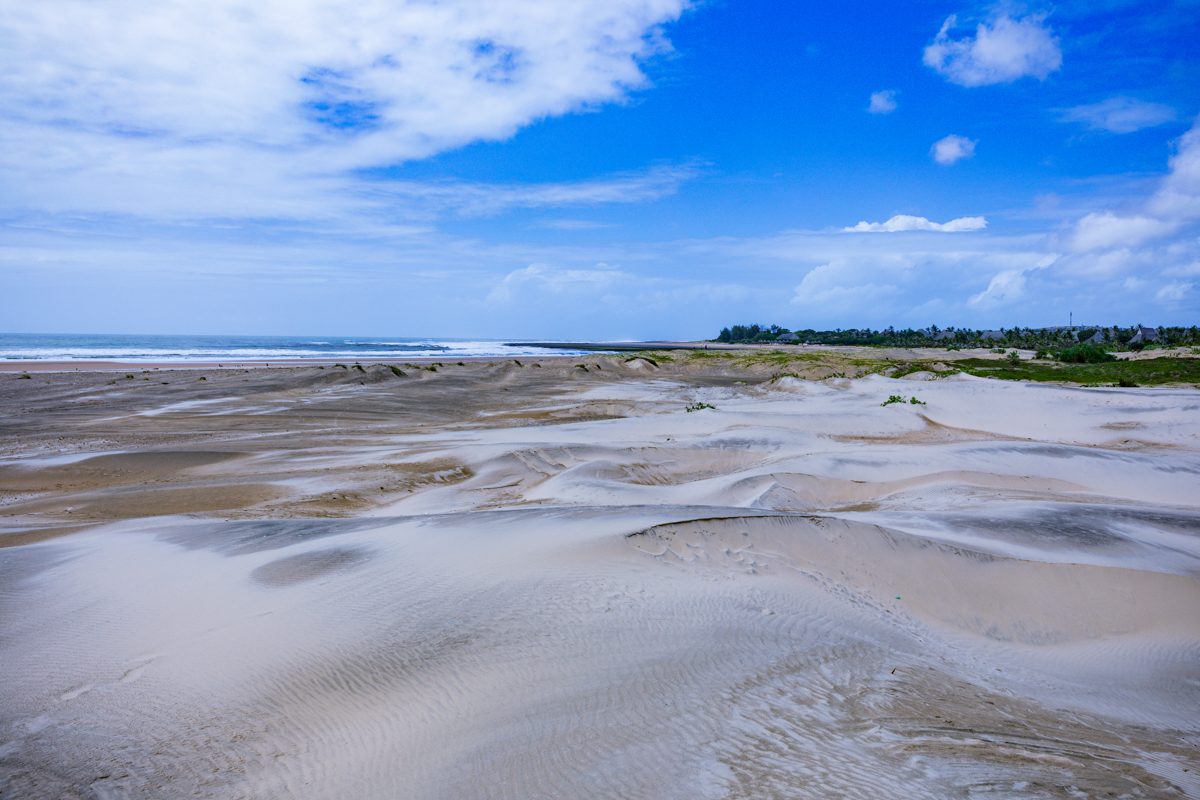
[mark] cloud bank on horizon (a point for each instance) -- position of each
(626, 168)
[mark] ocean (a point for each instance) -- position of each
(155, 348)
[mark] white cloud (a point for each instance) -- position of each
(1171, 208)
(1008, 285)
(952, 148)
(825, 288)
(1101, 231)
(904, 279)
(883, 102)
(479, 199)
(570, 224)
(1179, 196)
(1173, 292)
(1004, 287)
(544, 279)
(1120, 115)
(1001, 52)
(266, 105)
(903, 222)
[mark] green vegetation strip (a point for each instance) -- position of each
(1149, 372)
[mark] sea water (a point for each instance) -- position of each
(162, 347)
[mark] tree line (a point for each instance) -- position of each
(1114, 337)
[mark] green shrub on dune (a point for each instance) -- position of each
(1085, 354)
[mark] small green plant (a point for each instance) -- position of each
(459, 364)
(399, 373)
(895, 398)
(129, 376)
(699, 407)
(359, 367)
(343, 366)
(651, 360)
(953, 347)
(1126, 382)
(24, 376)
(432, 368)
(1042, 354)
(518, 363)
(1014, 356)
(997, 350)
(203, 378)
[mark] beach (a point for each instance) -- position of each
(684, 574)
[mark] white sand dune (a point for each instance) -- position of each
(799, 593)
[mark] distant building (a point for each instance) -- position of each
(1095, 338)
(992, 335)
(787, 337)
(1145, 335)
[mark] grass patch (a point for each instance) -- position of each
(399, 373)
(24, 376)
(1150, 372)
(699, 407)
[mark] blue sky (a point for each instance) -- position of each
(595, 169)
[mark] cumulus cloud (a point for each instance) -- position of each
(903, 222)
(1105, 230)
(1120, 115)
(260, 103)
(1008, 285)
(1000, 52)
(1174, 205)
(952, 148)
(1005, 286)
(883, 102)
(900, 279)
(1179, 196)
(825, 288)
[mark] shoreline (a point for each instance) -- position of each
(931, 355)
